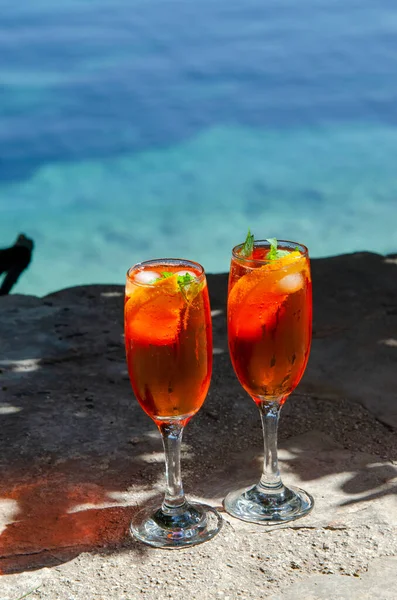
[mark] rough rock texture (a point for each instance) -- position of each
(77, 454)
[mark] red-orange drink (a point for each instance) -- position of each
(269, 320)
(168, 338)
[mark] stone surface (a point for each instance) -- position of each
(21, 585)
(378, 582)
(77, 454)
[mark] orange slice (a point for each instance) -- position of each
(153, 312)
(256, 297)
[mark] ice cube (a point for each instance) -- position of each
(146, 277)
(291, 283)
(186, 272)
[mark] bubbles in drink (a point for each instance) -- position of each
(291, 283)
(146, 277)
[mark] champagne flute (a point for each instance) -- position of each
(168, 338)
(269, 334)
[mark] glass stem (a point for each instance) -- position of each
(270, 481)
(174, 498)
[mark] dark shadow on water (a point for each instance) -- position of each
(80, 145)
(142, 79)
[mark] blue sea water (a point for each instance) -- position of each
(133, 129)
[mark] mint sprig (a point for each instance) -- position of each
(188, 286)
(185, 279)
(248, 247)
(181, 280)
(274, 253)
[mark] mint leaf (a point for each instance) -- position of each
(187, 292)
(185, 279)
(182, 280)
(248, 247)
(273, 253)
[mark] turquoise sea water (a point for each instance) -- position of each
(146, 128)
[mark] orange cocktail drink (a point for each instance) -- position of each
(168, 339)
(269, 333)
(269, 322)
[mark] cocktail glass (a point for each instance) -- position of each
(168, 338)
(269, 333)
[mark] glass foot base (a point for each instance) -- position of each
(253, 505)
(194, 524)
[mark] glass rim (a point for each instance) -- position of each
(263, 261)
(163, 261)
